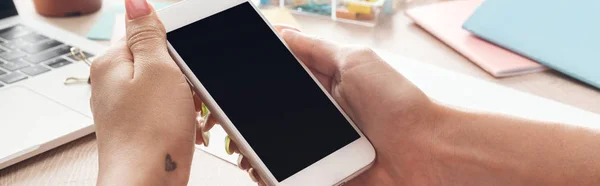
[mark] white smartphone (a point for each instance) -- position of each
(281, 117)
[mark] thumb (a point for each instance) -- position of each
(146, 35)
(315, 53)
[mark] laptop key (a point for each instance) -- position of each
(35, 70)
(17, 43)
(1, 85)
(2, 72)
(57, 63)
(12, 66)
(13, 78)
(49, 54)
(12, 55)
(41, 46)
(34, 38)
(14, 32)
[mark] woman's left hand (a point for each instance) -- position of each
(144, 110)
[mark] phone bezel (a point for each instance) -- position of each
(334, 169)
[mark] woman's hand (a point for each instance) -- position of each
(143, 107)
(394, 114)
(419, 142)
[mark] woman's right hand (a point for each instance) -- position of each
(393, 113)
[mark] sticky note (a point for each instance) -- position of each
(359, 8)
(345, 14)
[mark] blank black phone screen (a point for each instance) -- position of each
(266, 93)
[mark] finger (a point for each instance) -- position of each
(230, 146)
(199, 138)
(197, 102)
(256, 177)
(315, 53)
(323, 79)
(253, 175)
(205, 113)
(146, 35)
(280, 27)
(212, 121)
(261, 182)
(243, 162)
(202, 137)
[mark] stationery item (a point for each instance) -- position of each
(389, 6)
(66, 8)
(444, 21)
(345, 14)
(563, 35)
(79, 55)
(103, 27)
(359, 8)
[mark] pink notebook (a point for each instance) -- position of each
(444, 20)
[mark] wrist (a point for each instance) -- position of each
(154, 164)
(452, 150)
(412, 145)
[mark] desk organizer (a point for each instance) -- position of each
(360, 12)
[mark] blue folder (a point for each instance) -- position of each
(561, 34)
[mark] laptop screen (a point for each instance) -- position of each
(7, 9)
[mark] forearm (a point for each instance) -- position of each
(485, 149)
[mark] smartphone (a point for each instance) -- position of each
(281, 117)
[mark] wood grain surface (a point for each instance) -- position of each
(75, 163)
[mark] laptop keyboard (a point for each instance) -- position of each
(25, 54)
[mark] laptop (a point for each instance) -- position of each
(38, 111)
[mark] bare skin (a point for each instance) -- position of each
(146, 122)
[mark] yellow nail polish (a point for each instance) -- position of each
(227, 145)
(204, 110)
(206, 138)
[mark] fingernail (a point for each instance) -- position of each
(137, 8)
(285, 30)
(290, 27)
(205, 110)
(286, 27)
(227, 145)
(206, 138)
(290, 34)
(239, 161)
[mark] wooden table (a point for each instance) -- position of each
(76, 163)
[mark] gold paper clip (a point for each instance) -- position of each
(80, 56)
